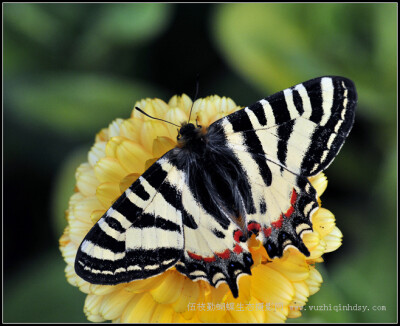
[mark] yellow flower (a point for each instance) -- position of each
(277, 288)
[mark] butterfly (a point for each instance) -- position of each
(195, 208)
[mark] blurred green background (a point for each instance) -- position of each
(70, 69)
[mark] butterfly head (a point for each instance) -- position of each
(190, 134)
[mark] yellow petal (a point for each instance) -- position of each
(293, 266)
(82, 209)
(301, 297)
(113, 128)
(147, 106)
(248, 313)
(333, 240)
(319, 182)
(311, 240)
(114, 303)
(92, 307)
(65, 239)
(178, 318)
(323, 221)
(102, 136)
(104, 289)
(69, 252)
(150, 162)
(96, 215)
(302, 293)
(160, 107)
(203, 110)
(314, 281)
(130, 129)
(183, 102)
(277, 314)
(161, 145)
(86, 180)
(132, 156)
(188, 314)
(189, 292)
(112, 145)
(270, 286)
(162, 314)
(223, 104)
(109, 169)
(294, 313)
(245, 283)
(139, 309)
(151, 130)
(127, 181)
(177, 116)
(146, 284)
(107, 193)
(166, 292)
(212, 312)
(97, 152)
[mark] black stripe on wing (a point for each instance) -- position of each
(328, 139)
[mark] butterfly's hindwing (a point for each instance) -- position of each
(197, 206)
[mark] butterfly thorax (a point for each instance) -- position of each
(191, 137)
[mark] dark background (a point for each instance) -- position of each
(70, 69)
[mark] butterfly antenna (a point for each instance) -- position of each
(195, 95)
(154, 117)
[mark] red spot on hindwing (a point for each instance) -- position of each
(254, 227)
(289, 212)
(209, 259)
(278, 223)
(238, 249)
(194, 256)
(236, 235)
(294, 197)
(267, 232)
(224, 255)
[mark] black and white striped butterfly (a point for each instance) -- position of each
(245, 174)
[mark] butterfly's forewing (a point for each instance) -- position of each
(301, 128)
(140, 236)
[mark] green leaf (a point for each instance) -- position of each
(321, 305)
(40, 293)
(74, 105)
(127, 24)
(33, 21)
(275, 46)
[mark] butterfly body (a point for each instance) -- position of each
(247, 173)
